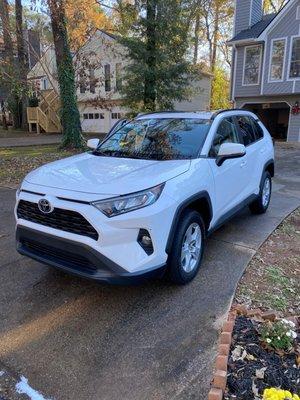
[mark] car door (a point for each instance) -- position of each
(230, 177)
(254, 149)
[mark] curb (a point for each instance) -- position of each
(219, 379)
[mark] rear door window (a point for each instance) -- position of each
(246, 129)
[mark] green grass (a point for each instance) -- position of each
(276, 302)
(276, 276)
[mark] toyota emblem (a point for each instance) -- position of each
(45, 206)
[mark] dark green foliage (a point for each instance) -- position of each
(70, 118)
(33, 101)
(157, 43)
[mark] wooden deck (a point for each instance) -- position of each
(45, 116)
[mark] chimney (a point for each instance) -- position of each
(247, 13)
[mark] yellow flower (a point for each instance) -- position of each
(278, 394)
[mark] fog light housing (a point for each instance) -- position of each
(145, 241)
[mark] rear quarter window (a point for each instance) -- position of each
(258, 131)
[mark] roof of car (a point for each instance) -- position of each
(209, 115)
(177, 114)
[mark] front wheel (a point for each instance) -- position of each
(187, 249)
(261, 204)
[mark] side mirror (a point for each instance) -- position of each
(93, 143)
(230, 150)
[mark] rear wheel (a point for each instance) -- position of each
(261, 204)
(187, 249)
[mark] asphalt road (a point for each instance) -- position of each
(74, 339)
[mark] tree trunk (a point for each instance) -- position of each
(196, 38)
(70, 119)
(9, 62)
(22, 61)
(215, 36)
(150, 78)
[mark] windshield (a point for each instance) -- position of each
(157, 138)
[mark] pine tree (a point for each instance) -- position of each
(158, 72)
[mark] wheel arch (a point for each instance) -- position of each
(200, 202)
(270, 167)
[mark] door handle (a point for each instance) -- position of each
(243, 164)
(262, 150)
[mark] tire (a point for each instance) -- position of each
(261, 204)
(178, 266)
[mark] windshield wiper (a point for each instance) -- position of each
(98, 152)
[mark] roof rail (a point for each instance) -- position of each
(171, 112)
(218, 112)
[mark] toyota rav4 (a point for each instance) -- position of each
(142, 202)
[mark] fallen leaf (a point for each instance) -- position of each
(239, 353)
(255, 389)
(260, 373)
(250, 357)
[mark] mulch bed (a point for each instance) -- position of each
(246, 380)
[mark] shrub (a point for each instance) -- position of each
(279, 334)
(33, 101)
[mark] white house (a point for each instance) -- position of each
(99, 65)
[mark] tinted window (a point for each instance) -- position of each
(226, 133)
(157, 138)
(246, 129)
(258, 131)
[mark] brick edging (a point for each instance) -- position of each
(219, 380)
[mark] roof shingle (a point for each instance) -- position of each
(255, 30)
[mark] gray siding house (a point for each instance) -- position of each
(265, 76)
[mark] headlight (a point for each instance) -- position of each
(123, 204)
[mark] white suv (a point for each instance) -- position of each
(142, 202)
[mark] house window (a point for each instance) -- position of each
(295, 59)
(45, 85)
(92, 80)
(252, 62)
(82, 84)
(91, 116)
(107, 78)
(85, 116)
(118, 76)
(277, 60)
(97, 116)
(101, 116)
(116, 115)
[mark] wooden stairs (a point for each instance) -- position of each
(46, 115)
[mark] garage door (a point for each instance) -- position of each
(95, 122)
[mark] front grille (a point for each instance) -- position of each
(65, 220)
(66, 258)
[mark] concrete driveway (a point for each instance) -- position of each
(74, 339)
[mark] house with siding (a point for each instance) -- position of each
(265, 76)
(99, 67)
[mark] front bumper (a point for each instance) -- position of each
(77, 258)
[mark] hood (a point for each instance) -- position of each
(105, 175)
